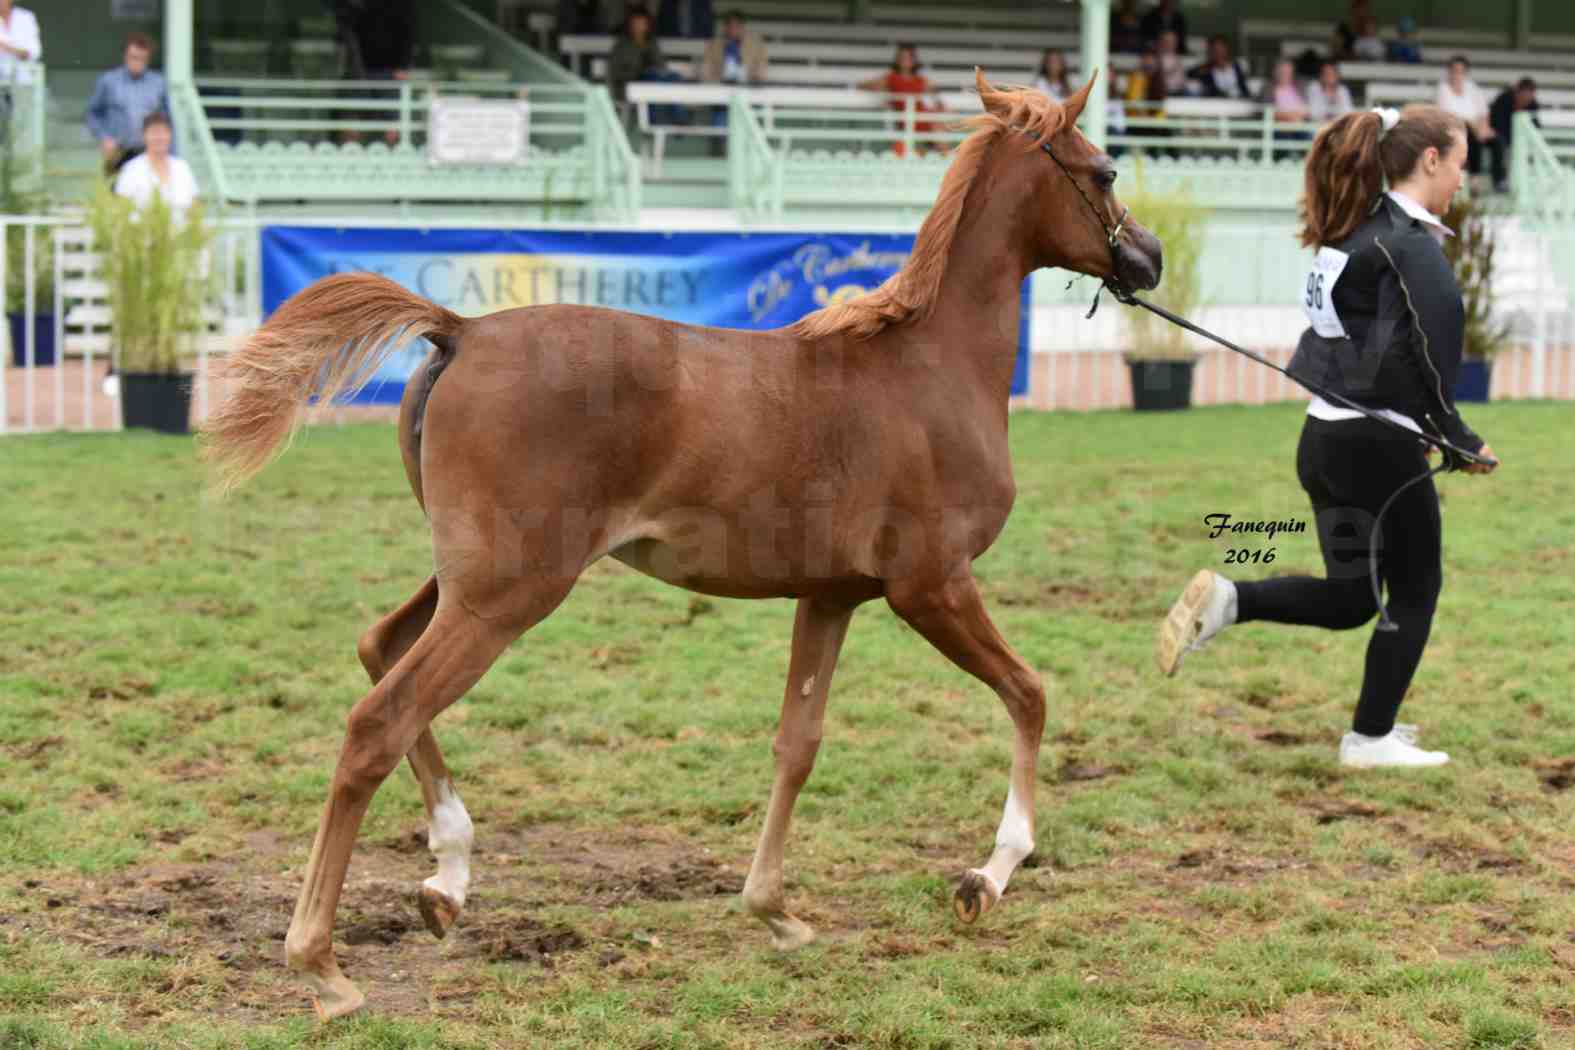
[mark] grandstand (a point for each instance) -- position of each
(277, 135)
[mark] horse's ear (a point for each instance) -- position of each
(991, 98)
(1075, 102)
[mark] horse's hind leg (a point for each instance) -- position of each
(449, 830)
(450, 656)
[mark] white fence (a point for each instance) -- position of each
(1077, 363)
(59, 348)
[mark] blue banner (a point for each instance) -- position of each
(727, 280)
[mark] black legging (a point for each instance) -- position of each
(1349, 468)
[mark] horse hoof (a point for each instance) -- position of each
(789, 934)
(339, 1000)
(438, 911)
(976, 894)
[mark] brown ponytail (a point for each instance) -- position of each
(1348, 164)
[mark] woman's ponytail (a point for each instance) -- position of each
(1342, 178)
(1351, 157)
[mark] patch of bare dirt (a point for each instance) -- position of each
(1556, 774)
(1329, 810)
(229, 917)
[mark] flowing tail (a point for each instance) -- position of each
(326, 339)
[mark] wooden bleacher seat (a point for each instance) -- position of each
(1523, 62)
(1489, 79)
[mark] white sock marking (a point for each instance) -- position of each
(1016, 830)
(450, 838)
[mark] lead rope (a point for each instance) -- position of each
(1453, 456)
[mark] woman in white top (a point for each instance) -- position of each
(1327, 97)
(1460, 95)
(1052, 79)
(154, 171)
(158, 171)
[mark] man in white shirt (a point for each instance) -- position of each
(19, 42)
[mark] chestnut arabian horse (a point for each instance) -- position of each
(860, 453)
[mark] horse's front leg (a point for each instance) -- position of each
(951, 615)
(818, 631)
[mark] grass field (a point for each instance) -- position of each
(174, 675)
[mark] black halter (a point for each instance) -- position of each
(1111, 233)
(1454, 456)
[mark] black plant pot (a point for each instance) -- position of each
(1159, 386)
(156, 401)
(43, 339)
(1474, 380)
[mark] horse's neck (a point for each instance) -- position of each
(978, 311)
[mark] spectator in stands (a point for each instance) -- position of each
(1522, 98)
(1284, 96)
(385, 38)
(156, 171)
(1145, 91)
(685, 18)
(1221, 76)
(1145, 95)
(1328, 97)
(735, 56)
(1405, 47)
(1170, 66)
(1052, 78)
(1367, 47)
(122, 100)
(1126, 29)
(1348, 30)
(1460, 95)
(19, 43)
(579, 16)
(19, 39)
(635, 55)
(1165, 18)
(905, 78)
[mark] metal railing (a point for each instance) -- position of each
(258, 139)
(25, 101)
(754, 170)
(615, 170)
(315, 111)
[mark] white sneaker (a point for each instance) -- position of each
(1206, 607)
(1372, 752)
(1407, 732)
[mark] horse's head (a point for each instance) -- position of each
(1078, 224)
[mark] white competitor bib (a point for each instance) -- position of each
(1318, 292)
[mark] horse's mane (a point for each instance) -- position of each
(910, 293)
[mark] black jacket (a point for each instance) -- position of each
(1401, 308)
(1204, 75)
(1501, 114)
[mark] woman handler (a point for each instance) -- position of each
(1387, 324)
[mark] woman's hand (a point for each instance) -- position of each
(1486, 452)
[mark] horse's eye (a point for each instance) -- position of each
(1106, 179)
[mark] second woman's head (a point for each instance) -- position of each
(157, 135)
(1423, 155)
(906, 60)
(1052, 64)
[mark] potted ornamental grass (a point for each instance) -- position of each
(1470, 251)
(155, 265)
(17, 200)
(1160, 362)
